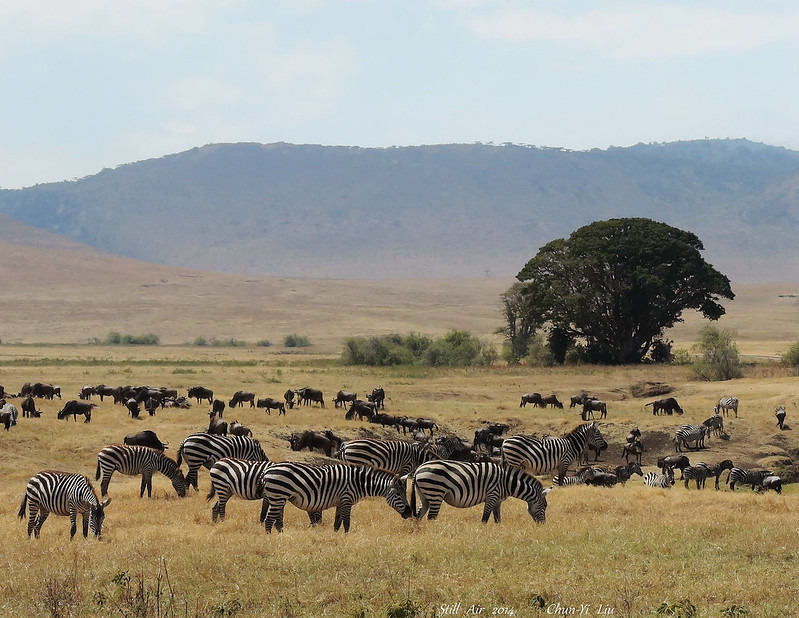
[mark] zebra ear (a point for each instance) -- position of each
(546, 491)
(405, 478)
(105, 502)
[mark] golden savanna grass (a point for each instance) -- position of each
(629, 549)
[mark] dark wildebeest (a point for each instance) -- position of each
(45, 391)
(533, 398)
(406, 424)
(289, 397)
(218, 407)
(665, 406)
(200, 393)
(2, 391)
(216, 425)
(362, 409)
(594, 405)
(272, 404)
(25, 390)
(237, 429)
(578, 400)
(151, 405)
(310, 395)
(551, 400)
(145, 438)
(239, 397)
(343, 397)
(337, 442)
(133, 407)
(386, 420)
(28, 406)
(716, 424)
(104, 391)
(86, 392)
(632, 448)
(780, 414)
(311, 440)
(377, 397)
(8, 414)
(74, 408)
(635, 434)
(426, 423)
(673, 461)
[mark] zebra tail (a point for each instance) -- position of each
(413, 498)
(180, 456)
(210, 493)
(97, 474)
(22, 506)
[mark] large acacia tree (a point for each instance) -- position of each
(617, 284)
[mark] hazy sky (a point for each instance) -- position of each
(89, 84)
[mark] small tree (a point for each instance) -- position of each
(791, 357)
(522, 319)
(719, 355)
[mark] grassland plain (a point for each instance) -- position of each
(626, 551)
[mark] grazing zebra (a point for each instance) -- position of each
(715, 424)
(687, 433)
(550, 453)
(696, 473)
(726, 404)
(317, 488)
(663, 481)
(396, 456)
(463, 485)
(203, 449)
(747, 477)
(133, 460)
(780, 414)
(583, 475)
(716, 469)
(62, 493)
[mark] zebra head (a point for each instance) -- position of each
(179, 483)
(97, 516)
(537, 506)
(635, 468)
(397, 496)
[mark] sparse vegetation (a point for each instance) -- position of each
(458, 348)
(117, 338)
(791, 357)
(718, 352)
(229, 342)
(296, 341)
(263, 343)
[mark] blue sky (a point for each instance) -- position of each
(90, 84)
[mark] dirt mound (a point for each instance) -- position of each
(650, 389)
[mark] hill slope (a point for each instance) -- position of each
(427, 211)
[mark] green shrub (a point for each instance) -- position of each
(791, 357)
(539, 352)
(263, 343)
(116, 338)
(296, 341)
(719, 358)
(200, 341)
(230, 342)
(456, 349)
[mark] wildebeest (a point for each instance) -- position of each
(289, 397)
(239, 397)
(771, 482)
(780, 414)
(86, 392)
(28, 406)
(673, 461)
(715, 424)
(145, 438)
(632, 448)
(665, 406)
(343, 397)
(45, 391)
(151, 405)
(216, 425)
(200, 393)
(74, 408)
(8, 414)
(237, 429)
(133, 407)
(311, 440)
(218, 407)
(426, 424)
(634, 435)
(533, 398)
(104, 391)
(337, 442)
(362, 409)
(272, 404)
(387, 420)
(377, 397)
(594, 405)
(310, 395)
(578, 400)
(551, 400)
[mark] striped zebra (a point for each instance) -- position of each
(715, 424)
(698, 473)
(463, 485)
(133, 460)
(396, 456)
(317, 488)
(583, 474)
(726, 404)
(690, 433)
(747, 477)
(240, 477)
(715, 470)
(663, 481)
(62, 493)
(541, 456)
(203, 449)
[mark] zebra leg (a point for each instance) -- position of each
(264, 510)
(40, 519)
(73, 524)
(85, 524)
(434, 507)
(146, 483)
(105, 483)
(346, 510)
(275, 516)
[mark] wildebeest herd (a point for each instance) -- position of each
(461, 472)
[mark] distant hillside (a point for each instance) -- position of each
(426, 211)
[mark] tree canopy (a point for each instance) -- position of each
(616, 285)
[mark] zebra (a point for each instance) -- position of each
(780, 414)
(747, 477)
(726, 404)
(583, 474)
(133, 460)
(463, 485)
(715, 424)
(716, 469)
(231, 476)
(202, 449)
(687, 433)
(550, 453)
(317, 488)
(62, 493)
(396, 456)
(663, 481)
(698, 473)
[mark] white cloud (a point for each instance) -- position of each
(643, 30)
(191, 94)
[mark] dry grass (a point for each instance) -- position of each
(630, 548)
